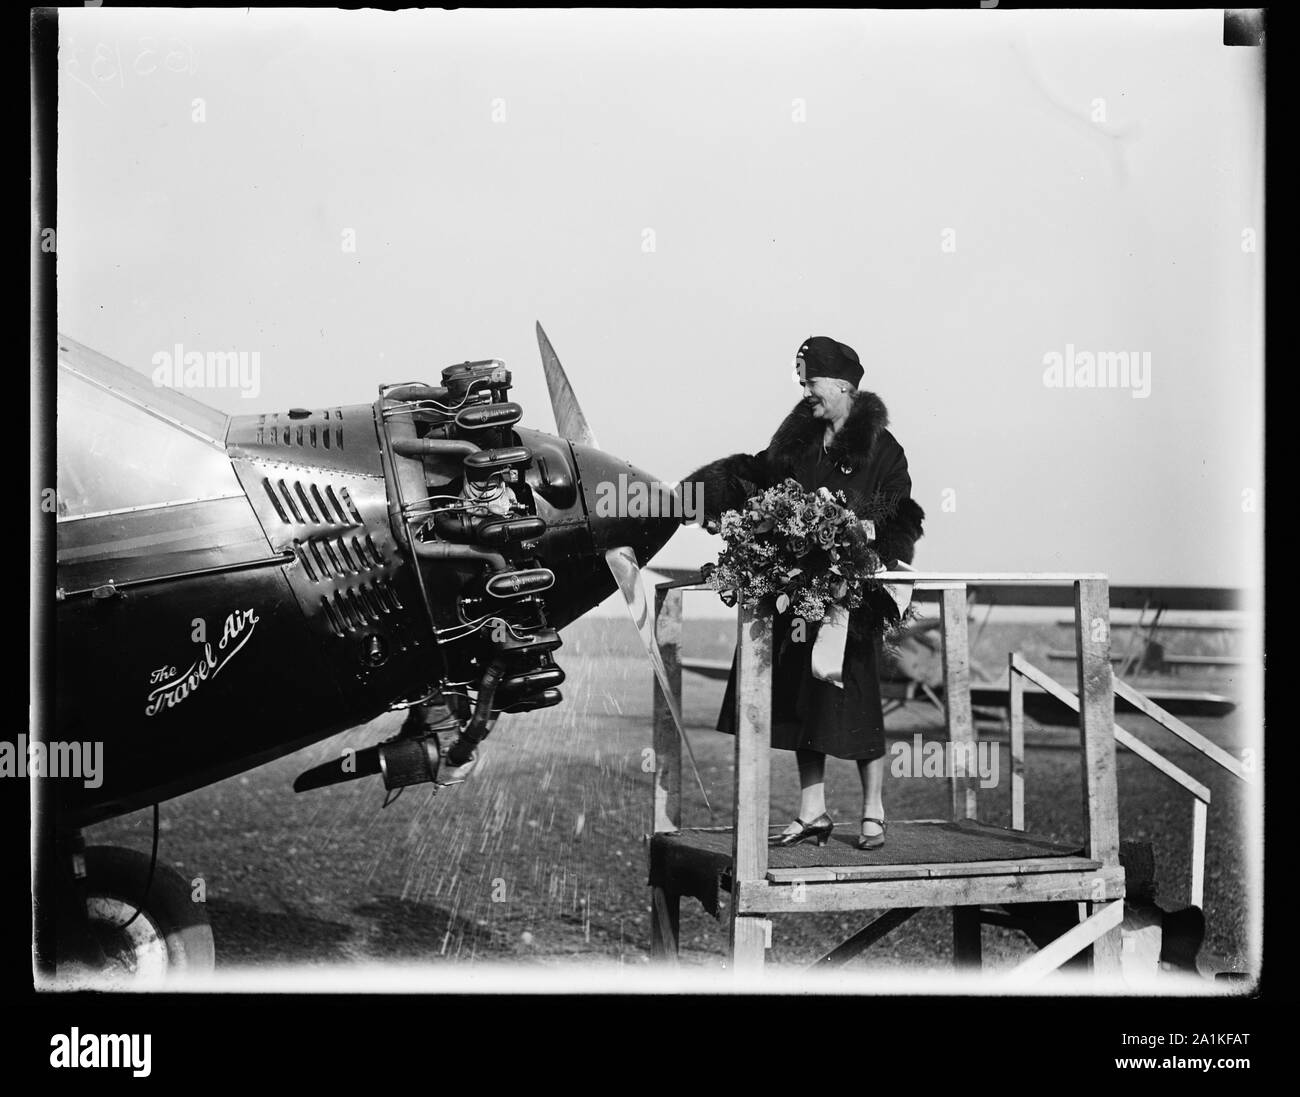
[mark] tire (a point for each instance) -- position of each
(171, 936)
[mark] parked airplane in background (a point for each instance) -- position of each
(913, 669)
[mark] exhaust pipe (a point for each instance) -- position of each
(412, 758)
(451, 550)
(402, 761)
(434, 447)
(462, 750)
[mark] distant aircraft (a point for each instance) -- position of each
(913, 668)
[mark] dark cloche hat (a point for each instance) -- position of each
(825, 357)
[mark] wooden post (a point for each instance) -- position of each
(1097, 736)
(967, 947)
(667, 746)
(1102, 922)
(665, 924)
(867, 936)
(956, 695)
(749, 933)
(1016, 709)
(1200, 810)
(665, 906)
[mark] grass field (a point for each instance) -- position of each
(540, 859)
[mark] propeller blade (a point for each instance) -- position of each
(569, 420)
(627, 573)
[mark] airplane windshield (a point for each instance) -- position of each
(114, 455)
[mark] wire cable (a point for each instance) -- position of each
(148, 884)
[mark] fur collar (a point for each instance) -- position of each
(852, 444)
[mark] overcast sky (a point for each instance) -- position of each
(1091, 175)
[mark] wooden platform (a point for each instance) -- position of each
(958, 863)
(962, 857)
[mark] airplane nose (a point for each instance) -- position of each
(625, 505)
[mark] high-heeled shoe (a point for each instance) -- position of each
(872, 841)
(819, 831)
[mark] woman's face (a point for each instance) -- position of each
(828, 397)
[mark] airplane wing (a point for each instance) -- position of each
(709, 668)
(137, 388)
(1121, 597)
(677, 576)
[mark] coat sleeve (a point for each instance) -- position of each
(902, 520)
(728, 483)
(899, 524)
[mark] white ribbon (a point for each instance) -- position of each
(901, 593)
(828, 648)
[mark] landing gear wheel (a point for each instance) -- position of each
(171, 936)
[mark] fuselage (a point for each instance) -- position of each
(233, 588)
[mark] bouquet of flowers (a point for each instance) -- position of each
(805, 550)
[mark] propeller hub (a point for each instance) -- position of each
(625, 505)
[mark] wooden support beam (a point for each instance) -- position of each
(967, 946)
(665, 907)
(666, 744)
(750, 939)
(665, 923)
(1097, 738)
(841, 873)
(1044, 681)
(1016, 717)
(956, 693)
(867, 936)
(1097, 718)
(1187, 734)
(753, 746)
(1159, 761)
(750, 936)
(1123, 736)
(1103, 922)
(760, 897)
(1200, 812)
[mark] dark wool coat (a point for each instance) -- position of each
(865, 462)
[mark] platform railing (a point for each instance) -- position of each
(750, 933)
(1020, 670)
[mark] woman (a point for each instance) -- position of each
(834, 438)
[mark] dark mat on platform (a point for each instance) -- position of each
(698, 862)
